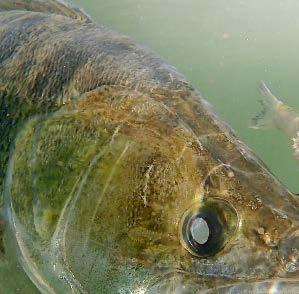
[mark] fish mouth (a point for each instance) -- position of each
(181, 282)
(272, 286)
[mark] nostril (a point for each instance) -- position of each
(266, 237)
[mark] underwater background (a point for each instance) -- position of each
(224, 48)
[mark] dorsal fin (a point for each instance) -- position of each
(47, 6)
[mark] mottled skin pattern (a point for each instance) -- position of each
(109, 146)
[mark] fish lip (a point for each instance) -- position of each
(180, 277)
(209, 284)
(275, 285)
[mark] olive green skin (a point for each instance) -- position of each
(104, 147)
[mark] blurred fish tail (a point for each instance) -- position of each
(264, 119)
(296, 145)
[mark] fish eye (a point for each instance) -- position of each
(207, 228)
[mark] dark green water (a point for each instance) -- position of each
(224, 48)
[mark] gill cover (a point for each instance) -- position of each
(57, 164)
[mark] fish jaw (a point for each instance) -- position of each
(274, 286)
(179, 285)
(210, 276)
(182, 283)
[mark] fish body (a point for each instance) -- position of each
(116, 176)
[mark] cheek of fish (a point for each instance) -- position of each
(91, 204)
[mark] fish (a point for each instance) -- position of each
(117, 176)
(276, 114)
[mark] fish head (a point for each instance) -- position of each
(122, 194)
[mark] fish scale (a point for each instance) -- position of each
(109, 159)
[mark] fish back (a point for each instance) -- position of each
(51, 6)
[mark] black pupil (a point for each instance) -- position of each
(203, 232)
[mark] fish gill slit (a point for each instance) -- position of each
(58, 241)
(26, 260)
(61, 228)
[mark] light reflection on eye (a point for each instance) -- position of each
(200, 231)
